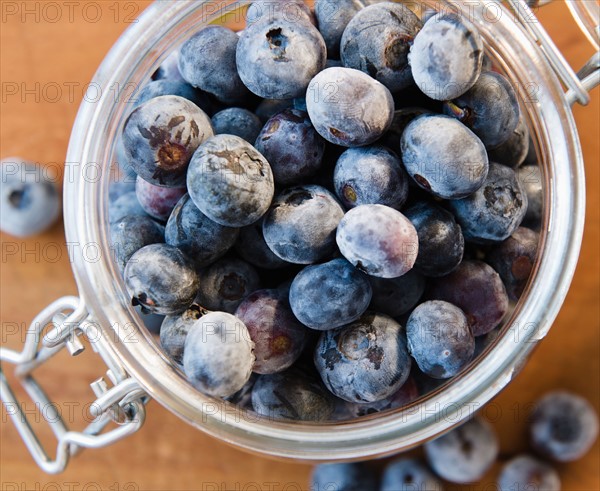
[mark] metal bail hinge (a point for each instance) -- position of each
(123, 403)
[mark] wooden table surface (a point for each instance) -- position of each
(49, 52)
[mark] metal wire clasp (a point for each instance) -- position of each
(123, 403)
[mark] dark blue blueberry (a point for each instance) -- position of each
(125, 205)
(530, 178)
(243, 397)
(478, 291)
(441, 242)
(514, 258)
(495, 210)
(333, 17)
(396, 296)
(378, 240)
(161, 279)
(237, 121)
(251, 247)
(290, 10)
(443, 156)
(277, 58)
(349, 108)
(407, 475)
(160, 137)
(370, 175)
(169, 68)
(118, 188)
(29, 198)
(157, 201)
(278, 336)
(125, 171)
(207, 61)
(489, 108)
(464, 454)
(402, 117)
(130, 234)
(300, 226)
(439, 339)
(270, 107)
(525, 472)
(377, 41)
(217, 356)
(329, 295)
(198, 236)
(446, 56)
(343, 477)
(563, 427)
(366, 360)
(230, 182)
(292, 394)
(225, 283)
(179, 88)
(292, 147)
(514, 150)
(174, 330)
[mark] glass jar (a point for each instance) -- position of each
(138, 368)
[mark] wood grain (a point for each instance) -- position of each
(41, 58)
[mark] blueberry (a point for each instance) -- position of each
(152, 322)
(207, 61)
(446, 56)
(169, 68)
(402, 117)
(278, 336)
(116, 189)
(441, 242)
(174, 87)
(366, 360)
(514, 258)
(157, 201)
(290, 10)
(377, 40)
(125, 205)
(251, 247)
(160, 137)
(243, 397)
(478, 291)
(514, 150)
(333, 17)
(407, 475)
(342, 477)
(349, 108)
(198, 236)
(225, 283)
(237, 121)
(174, 330)
(563, 427)
(443, 156)
(291, 394)
(29, 198)
(125, 172)
(530, 178)
(525, 472)
(370, 175)
(408, 393)
(270, 107)
(495, 210)
(161, 279)
(464, 454)
(439, 339)
(130, 234)
(378, 240)
(229, 181)
(300, 226)
(396, 296)
(292, 146)
(489, 108)
(217, 356)
(277, 58)
(329, 295)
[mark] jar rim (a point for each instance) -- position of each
(130, 63)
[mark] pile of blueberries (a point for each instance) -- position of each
(333, 210)
(561, 429)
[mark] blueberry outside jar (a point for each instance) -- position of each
(137, 367)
